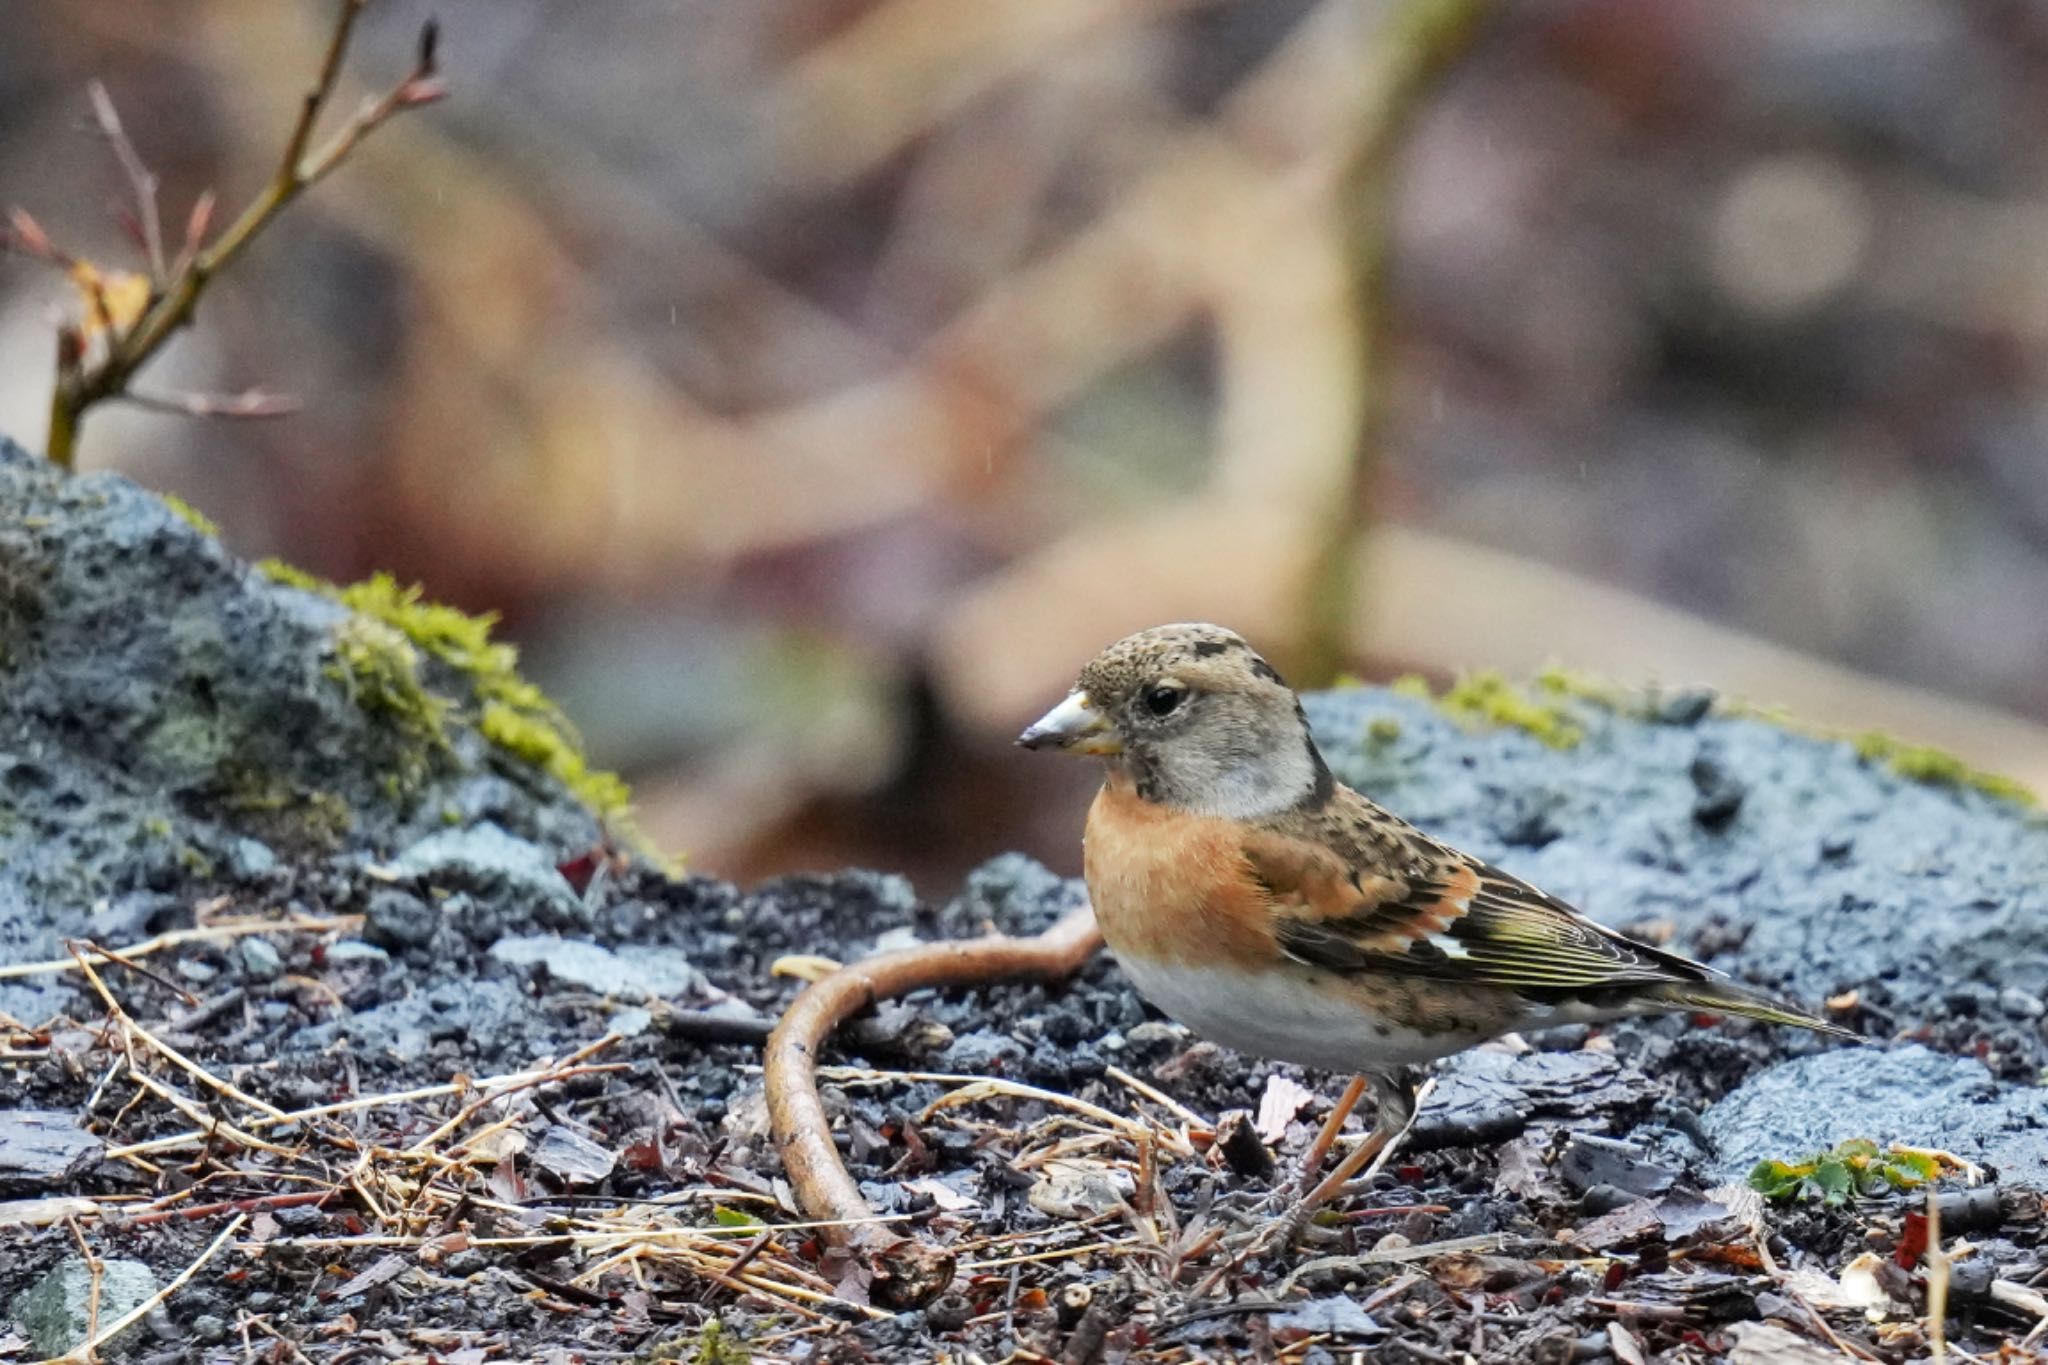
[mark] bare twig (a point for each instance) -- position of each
(141, 180)
(83, 382)
(906, 1273)
(209, 933)
(1937, 1283)
(250, 403)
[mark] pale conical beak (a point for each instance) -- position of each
(1074, 726)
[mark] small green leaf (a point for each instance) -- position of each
(1777, 1179)
(1911, 1168)
(733, 1218)
(1833, 1179)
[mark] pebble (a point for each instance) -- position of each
(260, 960)
(2021, 1005)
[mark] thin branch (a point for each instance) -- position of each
(907, 1273)
(81, 385)
(142, 182)
(250, 403)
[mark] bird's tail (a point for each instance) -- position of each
(1725, 997)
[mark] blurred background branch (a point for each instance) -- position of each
(813, 385)
(130, 316)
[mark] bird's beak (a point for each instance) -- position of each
(1073, 725)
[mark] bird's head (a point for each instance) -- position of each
(1196, 720)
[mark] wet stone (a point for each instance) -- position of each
(1490, 1094)
(1907, 1094)
(642, 974)
(43, 1150)
(1589, 1162)
(398, 920)
(58, 1309)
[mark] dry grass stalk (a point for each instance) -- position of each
(215, 932)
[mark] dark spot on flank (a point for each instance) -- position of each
(1209, 649)
(1267, 671)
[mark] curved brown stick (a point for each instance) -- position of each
(906, 1273)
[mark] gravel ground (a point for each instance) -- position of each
(182, 748)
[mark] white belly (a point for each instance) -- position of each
(1281, 1015)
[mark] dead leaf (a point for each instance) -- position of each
(1627, 1349)
(1080, 1189)
(114, 300)
(384, 1268)
(1761, 1343)
(1284, 1098)
(804, 966)
(942, 1194)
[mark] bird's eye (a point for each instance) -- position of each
(1163, 698)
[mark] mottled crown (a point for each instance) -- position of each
(1138, 658)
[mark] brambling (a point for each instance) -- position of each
(1266, 905)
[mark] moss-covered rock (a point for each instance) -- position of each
(167, 711)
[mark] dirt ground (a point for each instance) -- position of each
(423, 1067)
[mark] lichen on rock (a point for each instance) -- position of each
(167, 711)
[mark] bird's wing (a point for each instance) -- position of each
(1354, 889)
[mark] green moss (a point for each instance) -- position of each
(1481, 701)
(1558, 681)
(510, 712)
(381, 671)
(1382, 730)
(190, 515)
(528, 735)
(716, 1346)
(1924, 763)
(713, 1344)
(281, 814)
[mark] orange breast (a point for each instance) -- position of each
(1171, 887)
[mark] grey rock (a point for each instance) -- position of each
(260, 960)
(42, 1150)
(1590, 1161)
(1944, 885)
(490, 863)
(398, 920)
(170, 712)
(2020, 1004)
(1490, 1094)
(250, 858)
(1905, 1094)
(647, 973)
(350, 952)
(56, 1311)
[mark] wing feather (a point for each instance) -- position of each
(1360, 891)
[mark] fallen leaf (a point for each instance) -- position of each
(1284, 1098)
(114, 300)
(804, 966)
(1627, 1349)
(383, 1268)
(942, 1194)
(1761, 1343)
(1080, 1189)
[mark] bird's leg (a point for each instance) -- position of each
(1287, 1192)
(1397, 1095)
(1319, 1150)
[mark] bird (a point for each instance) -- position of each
(1267, 906)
